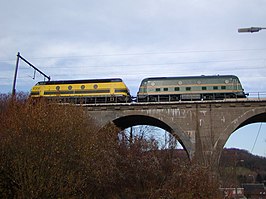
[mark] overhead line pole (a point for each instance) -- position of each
(48, 77)
(16, 72)
(15, 75)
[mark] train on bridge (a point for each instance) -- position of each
(155, 89)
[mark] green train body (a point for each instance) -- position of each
(190, 88)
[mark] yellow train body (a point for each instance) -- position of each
(95, 90)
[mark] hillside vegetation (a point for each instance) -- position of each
(240, 166)
(55, 151)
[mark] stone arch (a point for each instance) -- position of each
(254, 119)
(124, 122)
(248, 117)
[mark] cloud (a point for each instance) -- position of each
(133, 39)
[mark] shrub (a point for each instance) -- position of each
(57, 151)
(41, 149)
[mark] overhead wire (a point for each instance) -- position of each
(132, 66)
(152, 53)
(140, 54)
(157, 64)
(256, 137)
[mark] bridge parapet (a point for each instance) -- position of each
(257, 95)
(180, 104)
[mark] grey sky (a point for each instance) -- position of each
(138, 38)
(132, 39)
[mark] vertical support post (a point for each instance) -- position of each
(15, 75)
(235, 173)
(131, 136)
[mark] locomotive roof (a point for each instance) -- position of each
(82, 81)
(191, 77)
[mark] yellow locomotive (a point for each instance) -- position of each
(83, 91)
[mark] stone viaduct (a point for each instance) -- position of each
(201, 127)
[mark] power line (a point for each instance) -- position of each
(256, 137)
(152, 53)
(157, 64)
(141, 53)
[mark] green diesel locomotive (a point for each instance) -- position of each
(219, 87)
